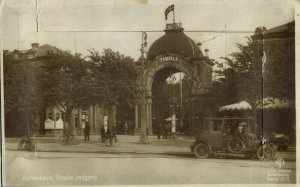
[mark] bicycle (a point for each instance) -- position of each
(68, 139)
(26, 144)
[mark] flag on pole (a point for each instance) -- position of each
(168, 10)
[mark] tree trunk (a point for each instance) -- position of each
(67, 121)
(112, 112)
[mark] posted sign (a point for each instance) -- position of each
(173, 120)
(105, 123)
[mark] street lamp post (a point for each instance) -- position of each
(173, 115)
(143, 137)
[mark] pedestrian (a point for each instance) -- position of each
(125, 128)
(159, 129)
(87, 131)
(109, 136)
(103, 136)
(114, 133)
(169, 129)
(165, 130)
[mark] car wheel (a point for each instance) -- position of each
(202, 150)
(266, 153)
(235, 145)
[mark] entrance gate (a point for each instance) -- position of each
(174, 52)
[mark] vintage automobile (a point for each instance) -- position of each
(230, 136)
(280, 140)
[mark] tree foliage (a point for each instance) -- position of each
(21, 86)
(63, 81)
(279, 76)
(242, 78)
(245, 78)
(22, 94)
(114, 76)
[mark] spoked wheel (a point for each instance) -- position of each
(265, 152)
(202, 150)
(235, 145)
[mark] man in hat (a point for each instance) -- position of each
(242, 133)
(87, 131)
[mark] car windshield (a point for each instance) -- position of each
(228, 125)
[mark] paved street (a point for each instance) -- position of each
(148, 164)
(22, 168)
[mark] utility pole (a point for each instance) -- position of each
(144, 136)
(181, 113)
(173, 116)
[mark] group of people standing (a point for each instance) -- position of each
(164, 129)
(107, 135)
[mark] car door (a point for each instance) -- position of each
(215, 138)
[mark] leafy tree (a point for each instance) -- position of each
(114, 78)
(22, 94)
(247, 78)
(279, 74)
(65, 83)
(242, 78)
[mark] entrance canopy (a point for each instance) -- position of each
(273, 103)
(266, 103)
(243, 105)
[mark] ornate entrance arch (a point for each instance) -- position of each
(175, 52)
(171, 61)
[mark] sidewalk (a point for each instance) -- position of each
(125, 144)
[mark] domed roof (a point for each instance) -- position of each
(174, 41)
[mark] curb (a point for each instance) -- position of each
(112, 152)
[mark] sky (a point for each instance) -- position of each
(79, 25)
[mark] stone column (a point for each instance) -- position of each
(150, 118)
(191, 115)
(147, 115)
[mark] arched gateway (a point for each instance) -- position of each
(174, 52)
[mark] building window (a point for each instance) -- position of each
(84, 117)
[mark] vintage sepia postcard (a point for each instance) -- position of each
(148, 92)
